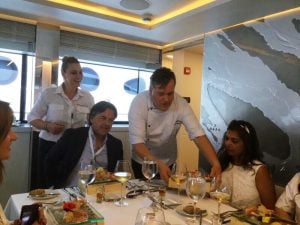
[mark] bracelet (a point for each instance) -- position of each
(45, 127)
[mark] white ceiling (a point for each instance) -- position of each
(185, 28)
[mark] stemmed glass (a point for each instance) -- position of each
(178, 175)
(151, 215)
(87, 175)
(122, 174)
(221, 194)
(196, 189)
(149, 170)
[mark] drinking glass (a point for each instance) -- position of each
(221, 194)
(122, 174)
(178, 175)
(151, 215)
(149, 170)
(87, 174)
(196, 189)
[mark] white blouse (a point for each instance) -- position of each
(242, 184)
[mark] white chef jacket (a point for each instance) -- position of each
(289, 200)
(54, 106)
(158, 129)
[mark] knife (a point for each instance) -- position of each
(71, 195)
(77, 190)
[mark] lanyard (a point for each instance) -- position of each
(91, 135)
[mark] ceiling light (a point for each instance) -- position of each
(135, 4)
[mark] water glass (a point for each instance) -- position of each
(151, 215)
(149, 169)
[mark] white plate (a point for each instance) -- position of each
(179, 210)
(170, 202)
(47, 195)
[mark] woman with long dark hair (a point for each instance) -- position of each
(243, 169)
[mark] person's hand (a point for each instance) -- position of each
(55, 128)
(42, 219)
(16, 222)
(164, 171)
(216, 172)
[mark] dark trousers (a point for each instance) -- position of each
(44, 147)
(137, 170)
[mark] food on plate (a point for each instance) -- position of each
(276, 223)
(103, 174)
(262, 210)
(68, 217)
(189, 209)
(37, 192)
(100, 173)
(68, 206)
(74, 211)
(259, 210)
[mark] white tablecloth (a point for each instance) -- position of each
(113, 214)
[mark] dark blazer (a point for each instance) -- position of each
(65, 154)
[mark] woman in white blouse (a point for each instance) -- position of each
(59, 108)
(242, 169)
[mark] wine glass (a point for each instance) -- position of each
(221, 194)
(122, 174)
(196, 189)
(87, 175)
(178, 175)
(151, 215)
(149, 170)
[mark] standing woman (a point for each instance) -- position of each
(243, 171)
(59, 108)
(7, 136)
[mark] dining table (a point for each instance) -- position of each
(124, 215)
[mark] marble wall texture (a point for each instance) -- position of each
(252, 72)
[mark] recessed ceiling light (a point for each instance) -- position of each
(135, 4)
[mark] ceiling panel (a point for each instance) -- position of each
(178, 30)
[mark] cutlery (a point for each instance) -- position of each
(71, 195)
(51, 203)
(77, 190)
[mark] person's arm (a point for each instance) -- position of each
(142, 151)
(265, 187)
(54, 128)
(207, 149)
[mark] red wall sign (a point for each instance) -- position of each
(187, 70)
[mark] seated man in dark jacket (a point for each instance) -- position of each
(86, 144)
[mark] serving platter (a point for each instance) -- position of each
(87, 215)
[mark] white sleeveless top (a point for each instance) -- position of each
(242, 184)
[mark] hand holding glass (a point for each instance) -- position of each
(122, 174)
